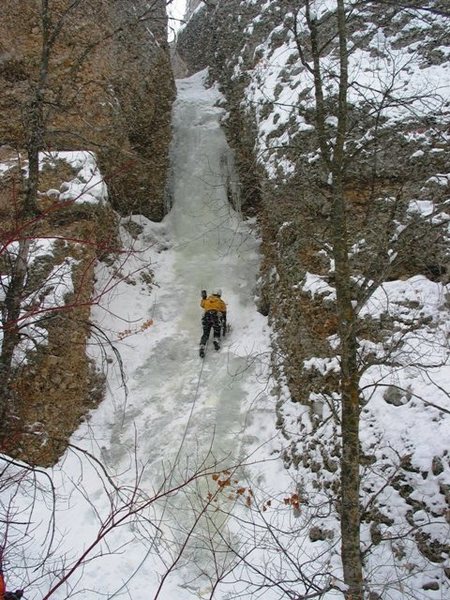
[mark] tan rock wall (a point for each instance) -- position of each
(109, 89)
(53, 384)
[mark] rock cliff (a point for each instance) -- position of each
(102, 70)
(78, 76)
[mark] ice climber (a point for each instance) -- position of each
(215, 318)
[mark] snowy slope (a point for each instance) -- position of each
(206, 246)
(168, 415)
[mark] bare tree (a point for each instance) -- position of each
(125, 503)
(324, 47)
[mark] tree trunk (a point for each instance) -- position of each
(34, 145)
(11, 313)
(35, 116)
(350, 481)
(333, 158)
(350, 478)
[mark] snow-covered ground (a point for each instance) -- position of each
(169, 417)
(183, 414)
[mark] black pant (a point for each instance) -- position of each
(210, 320)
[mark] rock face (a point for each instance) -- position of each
(103, 73)
(77, 75)
(51, 384)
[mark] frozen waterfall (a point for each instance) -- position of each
(181, 415)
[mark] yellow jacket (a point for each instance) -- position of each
(213, 303)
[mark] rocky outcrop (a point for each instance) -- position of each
(51, 383)
(103, 72)
(193, 5)
(89, 76)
